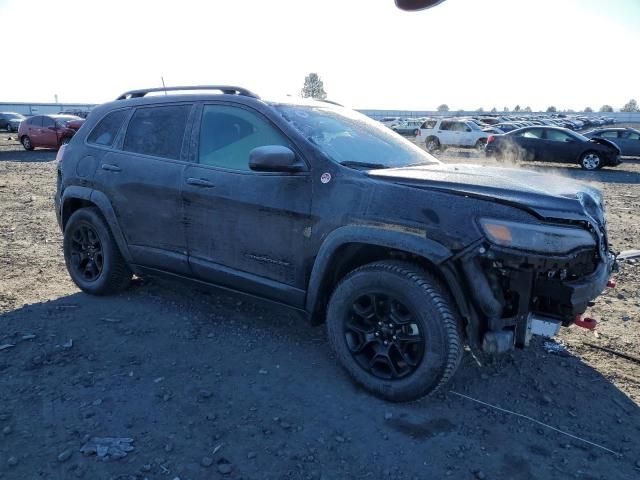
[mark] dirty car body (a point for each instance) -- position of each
(507, 249)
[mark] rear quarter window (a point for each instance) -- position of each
(429, 124)
(105, 132)
(157, 131)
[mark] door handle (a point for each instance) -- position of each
(199, 182)
(111, 167)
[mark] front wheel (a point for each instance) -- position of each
(395, 330)
(481, 144)
(591, 161)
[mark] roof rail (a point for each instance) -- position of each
(227, 89)
(328, 101)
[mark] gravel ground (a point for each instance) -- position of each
(176, 382)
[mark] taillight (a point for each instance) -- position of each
(60, 154)
(490, 139)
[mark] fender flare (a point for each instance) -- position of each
(378, 236)
(101, 201)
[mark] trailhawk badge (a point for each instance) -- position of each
(325, 178)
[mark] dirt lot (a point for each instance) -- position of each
(214, 385)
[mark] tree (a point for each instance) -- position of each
(588, 110)
(494, 110)
(443, 108)
(480, 110)
(552, 109)
(527, 109)
(606, 108)
(505, 109)
(517, 108)
(631, 106)
(313, 87)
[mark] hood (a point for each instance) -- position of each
(605, 142)
(546, 196)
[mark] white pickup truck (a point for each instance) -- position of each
(437, 134)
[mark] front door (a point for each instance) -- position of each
(142, 177)
(247, 230)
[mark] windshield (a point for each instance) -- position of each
(347, 136)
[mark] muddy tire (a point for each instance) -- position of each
(480, 144)
(591, 161)
(92, 256)
(432, 144)
(26, 143)
(395, 330)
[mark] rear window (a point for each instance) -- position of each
(157, 131)
(104, 133)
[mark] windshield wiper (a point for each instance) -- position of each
(353, 163)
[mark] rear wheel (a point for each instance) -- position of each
(395, 330)
(26, 143)
(591, 161)
(65, 140)
(92, 256)
(432, 144)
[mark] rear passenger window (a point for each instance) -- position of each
(533, 133)
(446, 125)
(157, 131)
(35, 121)
(105, 132)
(48, 122)
(228, 134)
(609, 134)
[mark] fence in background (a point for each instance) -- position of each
(621, 117)
(27, 108)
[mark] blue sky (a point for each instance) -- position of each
(466, 53)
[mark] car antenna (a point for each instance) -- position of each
(163, 85)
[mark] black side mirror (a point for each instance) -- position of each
(411, 5)
(273, 158)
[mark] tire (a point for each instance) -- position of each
(65, 141)
(26, 143)
(432, 144)
(92, 256)
(426, 329)
(480, 144)
(591, 161)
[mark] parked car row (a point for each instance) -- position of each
(10, 121)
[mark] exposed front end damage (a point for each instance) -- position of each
(519, 293)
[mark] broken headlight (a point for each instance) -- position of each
(536, 237)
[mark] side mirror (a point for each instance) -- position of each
(273, 158)
(411, 5)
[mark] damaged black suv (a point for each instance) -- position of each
(318, 207)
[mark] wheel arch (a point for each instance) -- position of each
(76, 197)
(350, 247)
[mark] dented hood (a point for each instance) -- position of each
(544, 195)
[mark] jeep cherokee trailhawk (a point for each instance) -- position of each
(315, 206)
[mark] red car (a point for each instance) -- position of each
(49, 131)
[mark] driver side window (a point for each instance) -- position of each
(228, 134)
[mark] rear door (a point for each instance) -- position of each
(142, 177)
(34, 127)
(445, 133)
(48, 136)
(532, 144)
(245, 229)
(629, 142)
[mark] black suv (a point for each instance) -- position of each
(315, 206)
